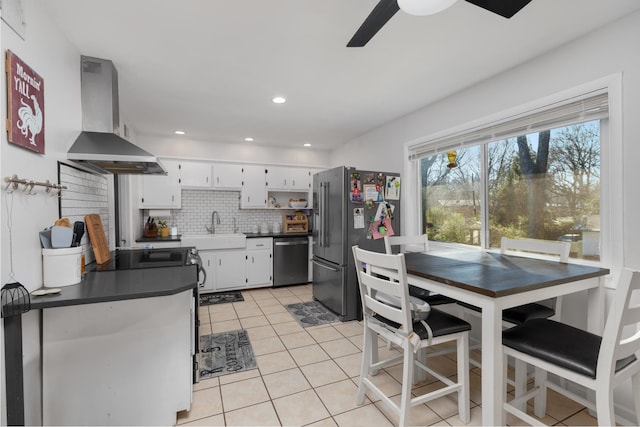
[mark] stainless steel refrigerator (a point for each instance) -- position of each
(342, 217)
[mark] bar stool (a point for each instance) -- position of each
(594, 362)
(387, 274)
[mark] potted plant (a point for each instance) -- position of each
(164, 228)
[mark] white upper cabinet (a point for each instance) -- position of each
(195, 175)
(287, 178)
(254, 189)
(300, 179)
(227, 176)
(161, 191)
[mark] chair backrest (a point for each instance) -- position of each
(419, 243)
(386, 274)
(624, 317)
(535, 248)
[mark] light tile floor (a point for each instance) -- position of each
(309, 376)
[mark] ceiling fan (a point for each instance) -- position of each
(385, 9)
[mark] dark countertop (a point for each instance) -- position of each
(254, 235)
(158, 239)
(119, 285)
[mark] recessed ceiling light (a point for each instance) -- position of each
(279, 100)
(249, 139)
(307, 145)
(179, 132)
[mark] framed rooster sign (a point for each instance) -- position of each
(25, 105)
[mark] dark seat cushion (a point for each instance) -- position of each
(520, 314)
(441, 323)
(560, 344)
(432, 299)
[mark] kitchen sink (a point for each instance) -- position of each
(215, 241)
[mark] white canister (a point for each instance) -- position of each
(62, 267)
(277, 227)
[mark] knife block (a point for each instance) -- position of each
(150, 230)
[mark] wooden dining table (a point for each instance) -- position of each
(494, 282)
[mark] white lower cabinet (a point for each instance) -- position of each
(234, 269)
(259, 262)
(229, 270)
(117, 363)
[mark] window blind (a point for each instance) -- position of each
(589, 106)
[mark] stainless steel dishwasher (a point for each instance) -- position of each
(290, 260)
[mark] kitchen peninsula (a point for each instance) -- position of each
(118, 347)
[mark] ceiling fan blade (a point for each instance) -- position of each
(504, 8)
(379, 16)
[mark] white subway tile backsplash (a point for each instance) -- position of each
(86, 193)
(198, 205)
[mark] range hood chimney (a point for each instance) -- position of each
(99, 146)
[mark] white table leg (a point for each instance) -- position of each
(492, 369)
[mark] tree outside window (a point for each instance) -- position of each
(543, 185)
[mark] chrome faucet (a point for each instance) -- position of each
(212, 229)
(235, 227)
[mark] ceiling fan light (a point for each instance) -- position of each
(424, 7)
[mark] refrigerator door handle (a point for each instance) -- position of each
(325, 216)
(325, 266)
(321, 215)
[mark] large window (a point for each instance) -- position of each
(543, 185)
(536, 174)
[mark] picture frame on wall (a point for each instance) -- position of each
(25, 105)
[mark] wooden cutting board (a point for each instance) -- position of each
(97, 237)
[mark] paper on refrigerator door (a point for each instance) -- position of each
(358, 218)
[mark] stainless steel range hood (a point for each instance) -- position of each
(99, 146)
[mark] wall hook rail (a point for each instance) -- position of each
(14, 183)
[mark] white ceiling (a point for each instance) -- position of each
(211, 67)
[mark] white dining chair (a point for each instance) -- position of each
(387, 274)
(417, 243)
(598, 363)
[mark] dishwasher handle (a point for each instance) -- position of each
(290, 243)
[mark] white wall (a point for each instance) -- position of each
(58, 63)
(185, 148)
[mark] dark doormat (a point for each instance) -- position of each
(221, 297)
(225, 353)
(311, 313)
